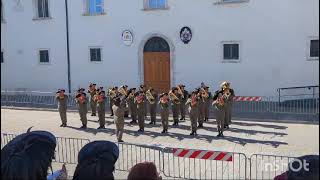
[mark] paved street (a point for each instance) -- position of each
(248, 137)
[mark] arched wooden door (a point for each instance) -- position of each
(156, 63)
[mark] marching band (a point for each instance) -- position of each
(123, 101)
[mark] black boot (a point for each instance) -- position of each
(133, 122)
(195, 133)
(181, 118)
(200, 126)
(62, 125)
(150, 122)
(163, 131)
(219, 134)
(192, 133)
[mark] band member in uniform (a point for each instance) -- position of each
(101, 106)
(93, 104)
(183, 95)
(143, 88)
(140, 101)
(229, 93)
(219, 110)
(62, 106)
(193, 110)
(82, 101)
(201, 106)
(118, 108)
(112, 92)
(207, 99)
(132, 105)
(126, 112)
(164, 111)
(152, 98)
(173, 94)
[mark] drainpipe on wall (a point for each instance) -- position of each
(68, 53)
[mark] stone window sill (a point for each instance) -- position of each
(155, 9)
(41, 19)
(219, 2)
(230, 61)
(95, 14)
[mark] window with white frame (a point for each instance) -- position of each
(95, 54)
(94, 7)
(44, 56)
(314, 49)
(155, 4)
(42, 9)
(231, 51)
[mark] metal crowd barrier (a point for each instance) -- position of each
(203, 164)
(296, 105)
(131, 154)
(178, 162)
(67, 149)
(5, 138)
(268, 166)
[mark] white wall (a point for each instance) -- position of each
(21, 37)
(273, 50)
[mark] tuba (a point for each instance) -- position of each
(123, 91)
(173, 97)
(150, 97)
(112, 92)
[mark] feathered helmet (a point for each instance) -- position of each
(224, 84)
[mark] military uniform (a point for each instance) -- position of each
(82, 100)
(93, 104)
(101, 106)
(229, 103)
(62, 100)
(184, 99)
(193, 110)
(175, 107)
(201, 107)
(140, 101)
(132, 106)
(111, 101)
(207, 105)
(164, 111)
(153, 108)
(119, 110)
(219, 111)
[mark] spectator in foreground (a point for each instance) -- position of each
(96, 161)
(311, 172)
(28, 156)
(145, 170)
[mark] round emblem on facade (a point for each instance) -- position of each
(185, 35)
(127, 37)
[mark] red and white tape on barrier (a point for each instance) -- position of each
(247, 98)
(202, 154)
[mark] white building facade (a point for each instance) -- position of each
(257, 45)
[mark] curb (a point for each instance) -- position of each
(235, 118)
